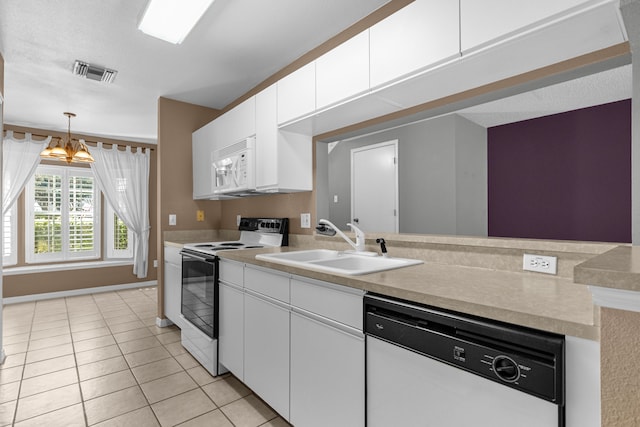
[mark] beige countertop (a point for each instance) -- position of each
(538, 301)
(618, 268)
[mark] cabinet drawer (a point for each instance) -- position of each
(267, 283)
(335, 302)
(231, 272)
(199, 345)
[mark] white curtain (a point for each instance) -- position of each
(123, 178)
(20, 158)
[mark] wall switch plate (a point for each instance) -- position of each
(335, 198)
(540, 263)
(305, 220)
(155, 263)
(199, 215)
(172, 219)
(238, 219)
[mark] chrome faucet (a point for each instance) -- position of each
(358, 246)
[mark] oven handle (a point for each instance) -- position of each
(198, 257)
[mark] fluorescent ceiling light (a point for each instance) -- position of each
(172, 20)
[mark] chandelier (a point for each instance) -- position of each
(71, 150)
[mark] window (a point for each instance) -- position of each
(119, 237)
(62, 215)
(10, 236)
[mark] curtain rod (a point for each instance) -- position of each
(90, 143)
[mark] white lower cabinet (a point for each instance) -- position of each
(172, 284)
(231, 329)
(266, 350)
(327, 373)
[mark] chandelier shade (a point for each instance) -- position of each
(69, 150)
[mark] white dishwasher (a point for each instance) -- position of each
(432, 368)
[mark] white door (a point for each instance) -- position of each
(374, 187)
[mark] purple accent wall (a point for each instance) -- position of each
(565, 176)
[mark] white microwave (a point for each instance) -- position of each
(234, 168)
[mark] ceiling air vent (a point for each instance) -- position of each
(94, 72)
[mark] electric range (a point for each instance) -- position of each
(200, 288)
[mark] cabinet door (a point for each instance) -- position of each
(297, 94)
(172, 295)
(202, 145)
(267, 166)
(241, 121)
(284, 160)
(327, 375)
(421, 34)
(484, 21)
(231, 329)
(266, 346)
(343, 72)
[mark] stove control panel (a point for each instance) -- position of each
(265, 225)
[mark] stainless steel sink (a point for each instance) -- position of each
(331, 261)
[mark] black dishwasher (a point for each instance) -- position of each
(431, 367)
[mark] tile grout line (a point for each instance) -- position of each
(75, 360)
(24, 364)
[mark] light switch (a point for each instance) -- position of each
(172, 219)
(335, 198)
(199, 215)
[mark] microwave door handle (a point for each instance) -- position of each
(236, 170)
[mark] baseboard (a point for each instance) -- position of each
(163, 323)
(77, 292)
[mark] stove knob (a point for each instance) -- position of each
(506, 369)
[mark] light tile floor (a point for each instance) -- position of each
(100, 360)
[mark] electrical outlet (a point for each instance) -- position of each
(155, 263)
(305, 220)
(199, 215)
(172, 219)
(238, 219)
(540, 263)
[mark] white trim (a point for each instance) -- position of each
(77, 292)
(29, 269)
(615, 298)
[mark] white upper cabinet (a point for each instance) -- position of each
(487, 21)
(343, 72)
(284, 160)
(418, 36)
(240, 122)
(202, 146)
(297, 94)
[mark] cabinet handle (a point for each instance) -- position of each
(340, 327)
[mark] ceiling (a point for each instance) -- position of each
(595, 89)
(236, 45)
